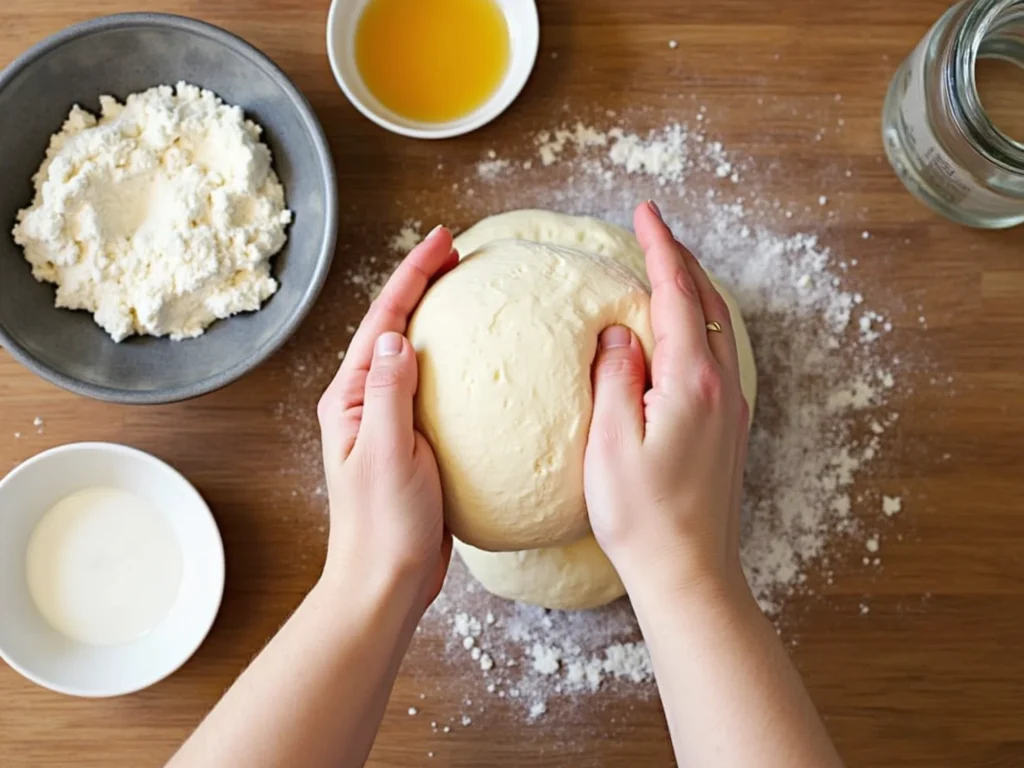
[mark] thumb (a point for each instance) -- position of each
(387, 421)
(619, 378)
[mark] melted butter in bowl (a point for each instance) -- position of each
(432, 60)
(111, 569)
(432, 69)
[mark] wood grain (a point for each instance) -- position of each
(933, 675)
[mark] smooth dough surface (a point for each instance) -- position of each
(505, 345)
(577, 576)
(599, 237)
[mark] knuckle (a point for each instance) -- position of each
(708, 383)
(352, 389)
(657, 398)
(385, 451)
(607, 438)
(383, 380)
(384, 305)
(686, 286)
(622, 367)
(377, 453)
(327, 407)
(351, 420)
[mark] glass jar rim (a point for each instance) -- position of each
(978, 22)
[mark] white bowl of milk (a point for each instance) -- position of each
(111, 569)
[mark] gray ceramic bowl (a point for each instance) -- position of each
(119, 55)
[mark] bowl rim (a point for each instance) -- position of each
(330, 230)
(484, 114)
(202, 508)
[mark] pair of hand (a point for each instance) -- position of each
(663, 466)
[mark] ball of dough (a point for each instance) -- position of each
(505, 345)
(577, 576)
(571, 578)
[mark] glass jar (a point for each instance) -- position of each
(937, 134)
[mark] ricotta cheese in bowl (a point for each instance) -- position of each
(159, 217)
(158, 209)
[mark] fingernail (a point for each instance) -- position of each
(614, 336)
(434, 231)
(388, 344)
(655, 209)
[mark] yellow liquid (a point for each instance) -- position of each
(432, 60)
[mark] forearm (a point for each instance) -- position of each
(316, 694)
(731, 694)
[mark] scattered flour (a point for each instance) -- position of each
(490, 170)
(408, 237)
(667, 155)
(367, 278)
(551, 143)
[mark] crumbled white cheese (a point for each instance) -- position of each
(159, 217)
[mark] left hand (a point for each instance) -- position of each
(382, 479)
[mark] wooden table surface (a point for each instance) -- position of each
(933, 675)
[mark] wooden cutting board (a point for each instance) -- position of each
(932, 675)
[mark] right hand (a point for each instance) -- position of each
(663, 470)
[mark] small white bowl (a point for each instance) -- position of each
(524, 34)
(40, 653)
